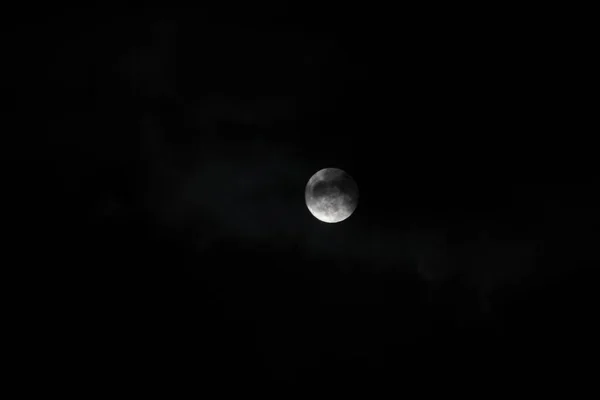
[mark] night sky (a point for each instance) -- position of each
(161, 157)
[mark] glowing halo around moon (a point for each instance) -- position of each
(331, 195)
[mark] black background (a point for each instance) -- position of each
(161, 237)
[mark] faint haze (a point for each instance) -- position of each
(210, 160)
(244, 194)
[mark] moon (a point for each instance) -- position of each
(331, 195)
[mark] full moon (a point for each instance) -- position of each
(331, 195)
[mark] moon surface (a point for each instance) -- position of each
(331, 195)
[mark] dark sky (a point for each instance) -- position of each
(161, 157)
